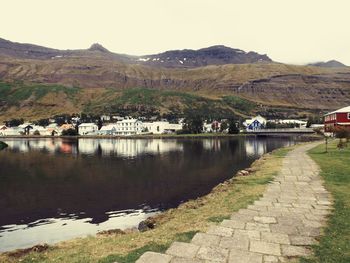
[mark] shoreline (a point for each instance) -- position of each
(180, 136)
(257, 172)
(151, 136)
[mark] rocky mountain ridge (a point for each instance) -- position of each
(215, 55)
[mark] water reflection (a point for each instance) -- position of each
(55, 189)
(98, 147)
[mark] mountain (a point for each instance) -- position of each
(328, 64)
(37, 82)
(19, 50)
(98, 47)
(215, 55)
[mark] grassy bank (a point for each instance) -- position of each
(3, 145)
(334, 246)
(175, 224)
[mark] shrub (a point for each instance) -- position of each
(3, 145)
(69, 132)
(232, 127)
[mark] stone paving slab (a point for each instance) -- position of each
(181, 249)
(213, 253)
(154, 258)
(281, 225)
(244, 257)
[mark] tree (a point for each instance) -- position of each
(315, 119)
(61, 119)
(36, 132)
(14, 122)
(223, 126)
(193, 124)
(69, 132)
(271, 125)
(342, 133)
(232, 128)
(99, 123)
(43, 122)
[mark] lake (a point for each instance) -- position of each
(56, 189)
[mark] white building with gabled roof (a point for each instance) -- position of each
(129, 127)
(87, 129)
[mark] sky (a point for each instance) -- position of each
(288, 31)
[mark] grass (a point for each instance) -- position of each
(3, 145)
(14, 93)
(36, 101)
(334, 246)
(239, 104)
(174, 224)
(135, 254)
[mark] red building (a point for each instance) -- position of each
(338, 118)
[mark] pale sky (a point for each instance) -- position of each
(289, 31)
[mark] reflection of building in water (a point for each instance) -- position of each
(255, 147)
(42, 145)
(106, 147)
(126, 147)
(211, 144)
(88, 146)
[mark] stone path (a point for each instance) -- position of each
(279, 226)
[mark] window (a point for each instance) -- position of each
(348, 115)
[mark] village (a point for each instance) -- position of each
(127, 126)
(106, 125)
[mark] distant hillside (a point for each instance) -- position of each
(41, 82)
(35, 101)
(329, 64)
(20, 50)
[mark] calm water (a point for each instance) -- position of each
(57, 189)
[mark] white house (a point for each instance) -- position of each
(301, 124)
(259, 118)
(211, 126)
(40, 130)
(110, 129)
(11, 131)
(255, 123)
(161, 127)
(87, 129)
(129, 127)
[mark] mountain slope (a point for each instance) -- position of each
(329, 64)
(40, 82)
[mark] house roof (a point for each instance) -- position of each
(66, 126)
(345, 109)
(87, 124)
(108, 127)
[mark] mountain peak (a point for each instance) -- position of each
(98, 47)
(329, 64)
